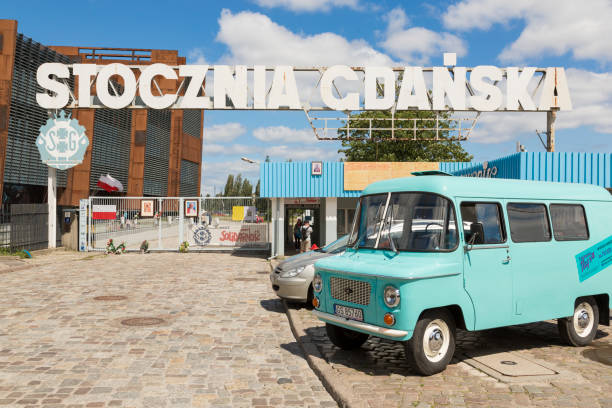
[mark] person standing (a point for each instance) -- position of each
(306, 233)
(297, 233)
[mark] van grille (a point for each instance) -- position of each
(349, 290)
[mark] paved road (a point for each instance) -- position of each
(223, 341)
(378, 375)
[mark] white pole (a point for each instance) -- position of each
(52, 204)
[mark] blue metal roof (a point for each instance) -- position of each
(565, 167)
(293, 179)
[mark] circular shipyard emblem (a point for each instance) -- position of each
(62, 142)
(201, 235)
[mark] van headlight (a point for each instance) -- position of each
(317, 283)
(392, 296)
(291, 272)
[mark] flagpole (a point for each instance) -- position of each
(52, 205)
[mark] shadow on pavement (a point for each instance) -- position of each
(384, 357)
(273, 305)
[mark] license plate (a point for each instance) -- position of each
(348, 312)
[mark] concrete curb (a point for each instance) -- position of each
(339, 392)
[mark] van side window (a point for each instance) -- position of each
(528, 222)
(482, 219)
(569, 222)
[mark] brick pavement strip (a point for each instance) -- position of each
(378, 375)
(225, 340)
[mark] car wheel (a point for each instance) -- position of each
(344, 338)
(580, 328)
(309, 298)
(433, 342)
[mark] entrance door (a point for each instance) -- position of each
(303, 212)
(487, 264)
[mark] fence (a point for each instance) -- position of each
(235, 223)
(28, 227)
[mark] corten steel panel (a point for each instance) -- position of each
(77, 183)
(174, 163)
(8, 35)
(293, 179)
(192, 148)
(190, 179)
(137, 153)
(358, 175)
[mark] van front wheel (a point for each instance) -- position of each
(580, 328)
(344, 338)
(433, 342)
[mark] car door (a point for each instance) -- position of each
(487, 263)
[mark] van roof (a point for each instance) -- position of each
(491, 188)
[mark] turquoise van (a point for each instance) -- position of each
(433, 253)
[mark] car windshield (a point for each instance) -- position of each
(415, 222)
(338, 245)
(368, 219)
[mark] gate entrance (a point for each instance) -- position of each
(310, 212)
(211, 223)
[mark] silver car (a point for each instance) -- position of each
(292, 278)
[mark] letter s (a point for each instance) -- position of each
(43, 77)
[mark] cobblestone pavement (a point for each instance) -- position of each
(224, 340)
(378, 375)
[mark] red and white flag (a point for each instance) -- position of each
(110, 184)
(104, 212)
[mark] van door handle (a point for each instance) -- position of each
(507, 260)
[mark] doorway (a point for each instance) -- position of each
(310, 212)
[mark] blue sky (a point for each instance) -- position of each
(354, 32)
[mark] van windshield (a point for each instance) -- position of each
(414, 221)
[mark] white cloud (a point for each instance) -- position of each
(309, 5)
(417, 44)
(214, 174)
(499, 127)
(225, 132)
(284, 134)
(552, 27)
(252, 38)
(217, 149)
(196, 56)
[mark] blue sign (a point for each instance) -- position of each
(62, 142)
(595, 259)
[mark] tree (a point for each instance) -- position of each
(229, 186)
(380, 148)
(246, 190)
(257, 188)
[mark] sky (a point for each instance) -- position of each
(560, 33)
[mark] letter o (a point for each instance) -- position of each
(129, 86)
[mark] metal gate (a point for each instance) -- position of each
(206, 223)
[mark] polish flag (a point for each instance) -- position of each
(109, 184)
(104, 212)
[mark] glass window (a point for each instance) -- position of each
(484, 219)
(528, 222)
(419, 222)
(569, 222)
(369, 222)
(341, 222)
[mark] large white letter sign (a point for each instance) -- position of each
(83, 72)
(413, 79)
(444, 84)
(487, 90)
(371, 100)
(555, 80)
(284, 93)
(191, 100)
(129, 86)
(516, 88)
(234, 86)
(144, 86)
(351, 100)
(259, 87)
(62, 93)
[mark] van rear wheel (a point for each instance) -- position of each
(580, 329)
(344, 338)
(433, 342)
